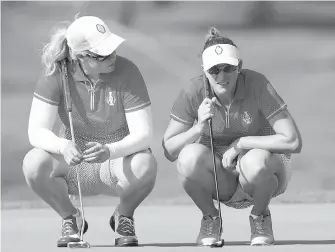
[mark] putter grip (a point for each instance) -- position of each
(67, 96)
(207, 95)
(206, 83)
(66, 86)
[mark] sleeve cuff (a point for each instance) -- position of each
(62, 144)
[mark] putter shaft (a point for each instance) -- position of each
(215, 173)
(68, 103)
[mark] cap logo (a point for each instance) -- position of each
(218, 50)
(101, 28)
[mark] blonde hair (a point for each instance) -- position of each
(57, 49)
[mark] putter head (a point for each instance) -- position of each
(218, 244)
(80, 244)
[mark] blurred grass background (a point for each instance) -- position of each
(292, 43)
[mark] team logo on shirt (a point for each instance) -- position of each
(218, 50)
(111, 99)
(246, 117)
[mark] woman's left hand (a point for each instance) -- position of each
(96, 153)
(228, 158)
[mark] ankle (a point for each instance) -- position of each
(213, 214)
(255, 212)
(124, 212)
(66, 215)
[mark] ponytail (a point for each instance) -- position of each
(212, 33)
(214, 37)
(55, 51)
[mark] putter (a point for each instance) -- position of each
(68, 102)
(219, 243)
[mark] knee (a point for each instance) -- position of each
(145, 166)
(36, 165)
(257, 165)
(190, 160)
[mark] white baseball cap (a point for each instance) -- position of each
(220, 54)
(91, 33)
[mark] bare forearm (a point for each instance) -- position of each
(41, 121)
(46, 140)
(175, 144)
(274, 143)
(129, 145)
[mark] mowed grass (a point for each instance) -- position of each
(302, 73)
(159, 228)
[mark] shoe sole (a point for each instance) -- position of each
(217, 244)
(261, 244)
(126, 242)
(63, 244)
(210, 242)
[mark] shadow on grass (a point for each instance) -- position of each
(181, 244)
(231, 243)
(305, 242)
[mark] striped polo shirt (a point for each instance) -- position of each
(254, 103)
(99, 111)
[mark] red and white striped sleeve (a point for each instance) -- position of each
(48, 89)
(270, 102)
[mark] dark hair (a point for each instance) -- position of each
(213, 38)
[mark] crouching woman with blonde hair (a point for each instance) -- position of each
(112, 121)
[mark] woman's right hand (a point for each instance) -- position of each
(72, 154)
(205, 111)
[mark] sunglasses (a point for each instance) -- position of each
(99, 58)
(215, 70)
